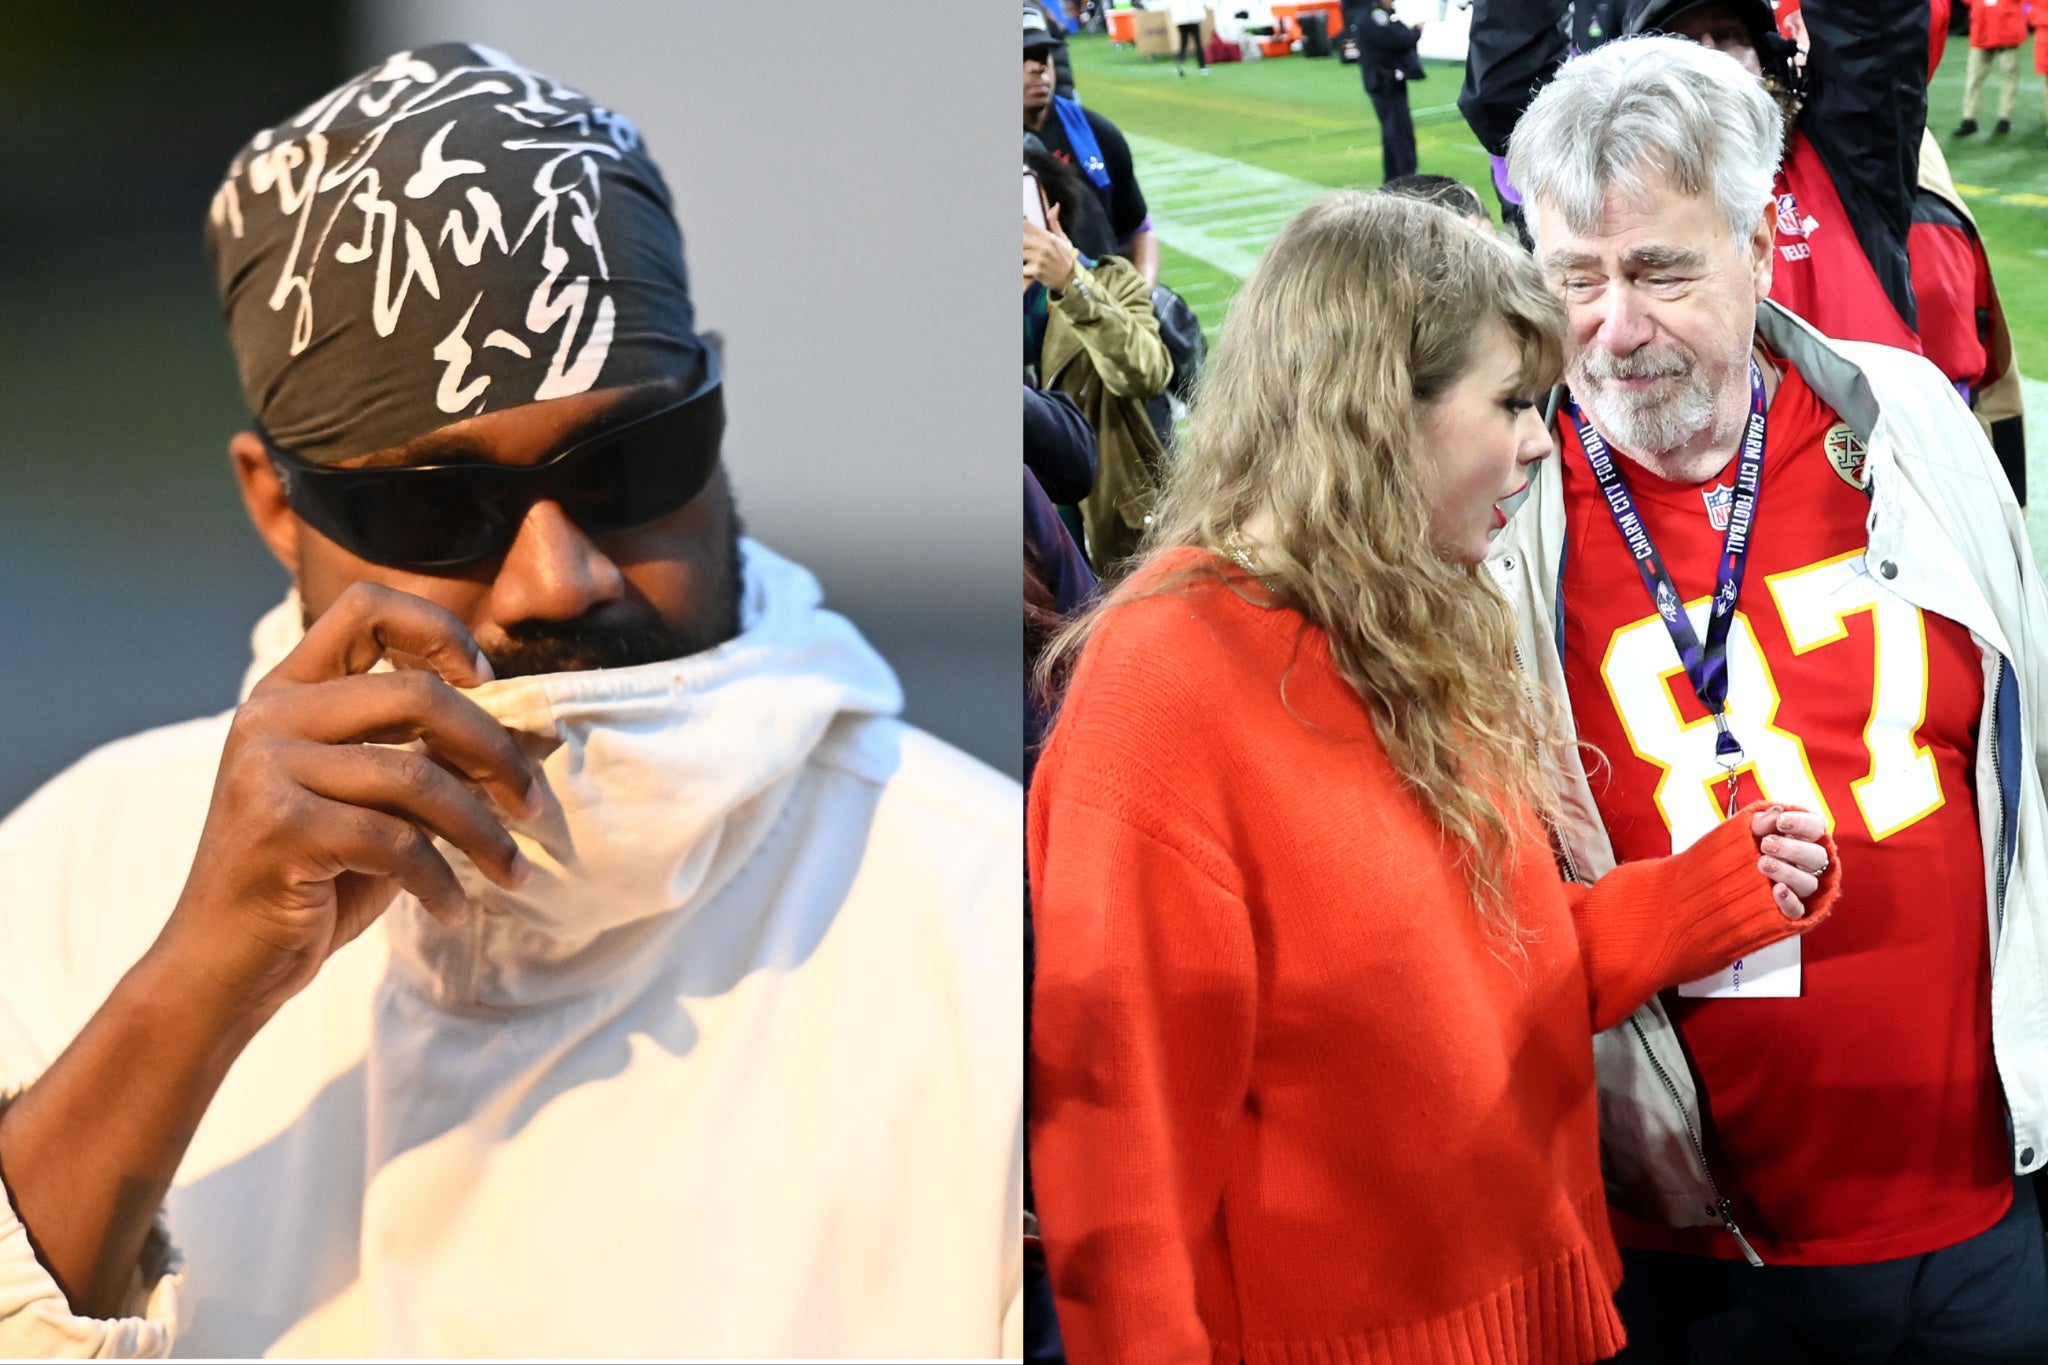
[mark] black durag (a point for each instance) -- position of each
(444, 235)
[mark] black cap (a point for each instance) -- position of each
(1039, 33)
(1656, 16)
(1774, 51)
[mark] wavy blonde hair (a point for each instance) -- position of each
(1363, 311)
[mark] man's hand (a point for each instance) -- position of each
(314, 829)
(1792, 855)
(311, 833)
(1049, 258)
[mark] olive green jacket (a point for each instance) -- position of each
(1102, 349)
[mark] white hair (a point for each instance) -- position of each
(1635, 108)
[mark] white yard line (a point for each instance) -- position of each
(1214, 208)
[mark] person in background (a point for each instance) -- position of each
(1084, 139)
(1310, 1075)
(1062, 68)
(1755, 537)
(1090, 332)
(1997, 29)
(1445, 192)
(1187, 19)
(1386, 63)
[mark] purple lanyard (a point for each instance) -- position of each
(1705, 667)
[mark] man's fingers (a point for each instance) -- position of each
(370, 842)
(412, 787)
(396, 708)
(369, 622)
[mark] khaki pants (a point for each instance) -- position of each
(2008, 59)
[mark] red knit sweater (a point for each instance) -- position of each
(1291, 1103)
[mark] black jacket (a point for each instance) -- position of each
(1386, 52)
(1059, 445)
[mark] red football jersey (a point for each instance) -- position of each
(1862, 1119)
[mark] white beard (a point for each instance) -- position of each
(1649, 425)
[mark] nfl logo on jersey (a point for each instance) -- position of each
(1791, 222)
(1719, 499)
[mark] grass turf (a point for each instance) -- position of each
(1309, 119)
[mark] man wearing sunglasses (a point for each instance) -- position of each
(562, 950)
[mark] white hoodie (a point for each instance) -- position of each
(738, 1074)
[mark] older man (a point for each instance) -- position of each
(1770, 564)
(614, 975)
(1874, 244)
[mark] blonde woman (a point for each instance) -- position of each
(1312, 1074)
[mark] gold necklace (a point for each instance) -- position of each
(1238, 552)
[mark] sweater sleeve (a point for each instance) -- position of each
(1141, 1048)
(1650, 925)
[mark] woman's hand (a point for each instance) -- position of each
(1048, 256)
(1792, 857)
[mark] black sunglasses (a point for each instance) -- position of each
(445, 516)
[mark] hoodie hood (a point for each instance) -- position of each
(660, 781)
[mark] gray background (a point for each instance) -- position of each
(844, 190)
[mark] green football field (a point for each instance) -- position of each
(1227, 158)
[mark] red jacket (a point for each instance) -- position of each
(1997, 24)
